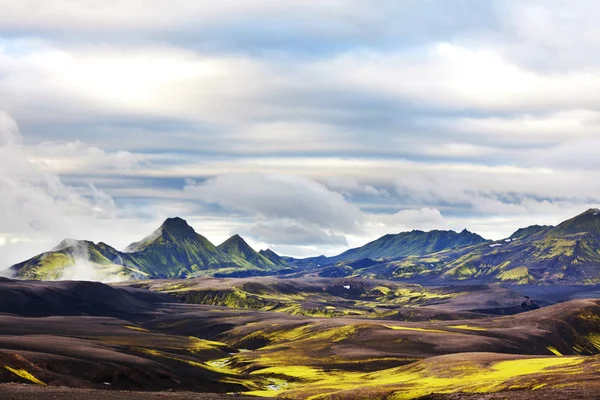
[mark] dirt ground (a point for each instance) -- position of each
(31, 392)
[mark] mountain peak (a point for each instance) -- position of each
(237, 247)
(177, 228)
(237, 242)
(586, 222)
(71, 243)
(176, 223)
(170, 230)
(592, 211)
(529, 231)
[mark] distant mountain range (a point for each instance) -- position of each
(566, 254)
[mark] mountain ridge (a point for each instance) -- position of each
(568, 253)
(238, 248)
(174, 250)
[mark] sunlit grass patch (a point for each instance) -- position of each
(415, 329)
(423, 378)
(136, 328)
(25, 375)
(554, 351)
(467, 327)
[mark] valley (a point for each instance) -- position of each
(430, 315)
(147, 336)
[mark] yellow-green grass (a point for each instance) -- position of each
(25, 375)
(421, 379)
(415, 329)
(467, 327)
(554, 351)
(136, 328)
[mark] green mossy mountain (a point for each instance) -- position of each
(174, 250)
(100, 261)
(237, 248)
(414, 243)
(530, 230)
(273, 257)
(566, 254)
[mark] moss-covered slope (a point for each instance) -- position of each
(238, 249)
(566, 254)
(393, 246)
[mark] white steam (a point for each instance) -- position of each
(37, 209)
(84, 269)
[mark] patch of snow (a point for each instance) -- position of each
(347, 287)
(107, 383)
(508, 240)
(495, 244)
(595, 213)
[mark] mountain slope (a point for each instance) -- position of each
(76, 260)
(175, 250)
(240, 251)
(566, 254)
(415, 243)
(273, 257)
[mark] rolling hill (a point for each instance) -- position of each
(103, 342)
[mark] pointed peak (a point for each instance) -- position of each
(175, 222)
(592, 211)
(586, 222)
(177, 227)
(235, 240)
(267, 251)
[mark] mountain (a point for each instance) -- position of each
(529, 231)
(273, 257)
(77, 260)
(174, 250)
(237, 248)
(587, 222)
(566, 254)
(415, 243)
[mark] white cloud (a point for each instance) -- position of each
(484, 125)
(79, 158)
(38, 209)
(280, 197)
(156, 15)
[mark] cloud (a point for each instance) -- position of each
(79, 158)
(422, 218)
(292, 233)
(311, 123)
(38, 209)
(296, 207)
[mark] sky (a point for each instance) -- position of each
(306, 127)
